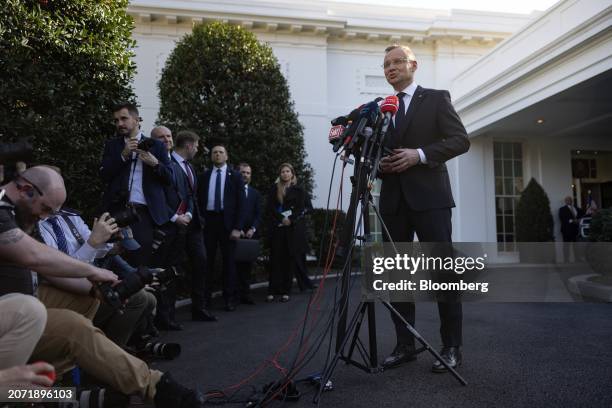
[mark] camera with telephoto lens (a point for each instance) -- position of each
(135, 281)
(146, 143)
(11, 153)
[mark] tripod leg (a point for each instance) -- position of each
(425, 344)
(362, 311)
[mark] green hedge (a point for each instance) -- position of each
(63, 65)
(221, 82)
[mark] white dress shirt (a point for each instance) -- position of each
(210, 204)
(135, 180)
(85, 252)
(409, 91)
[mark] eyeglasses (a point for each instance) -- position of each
(396, 62)
(34, 186)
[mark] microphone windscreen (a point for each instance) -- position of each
(391, 104)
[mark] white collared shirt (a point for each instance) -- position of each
(85, 252)
(210, 204)
(409, 92)
(135, 180)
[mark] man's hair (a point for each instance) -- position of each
(131, 107)
(244, 164)
(185, 136)
(403, 47)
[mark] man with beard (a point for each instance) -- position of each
(135, 169)
(69, 336)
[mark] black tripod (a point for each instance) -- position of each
(360, 194)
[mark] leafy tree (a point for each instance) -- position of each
(226, 86)
(63, 65)
(534, 221)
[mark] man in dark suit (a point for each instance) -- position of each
(416, 194)
(568, 215)
(252, 219)
(221, 196)
(135, 176)
(191, 240)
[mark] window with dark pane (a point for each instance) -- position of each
(508, 172)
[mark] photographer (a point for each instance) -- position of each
(23, 201)
(69, 336)
(69, 233)
(135, 169)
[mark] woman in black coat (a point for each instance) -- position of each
(285, 209)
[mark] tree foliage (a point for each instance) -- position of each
(226, 86)
(534, 221)
(63, 64)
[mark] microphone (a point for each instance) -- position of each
(389, 108)
(353, 124)
(367, 116)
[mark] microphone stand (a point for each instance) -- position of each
(366, 168)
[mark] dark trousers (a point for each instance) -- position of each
(171, 254)
(196, 253)
(429, 226)
(143, 233)
(217, 236)
(244, 278)
(284, 265)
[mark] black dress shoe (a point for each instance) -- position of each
(247, 301)
(230, 307)
(169, 393)
(452, 356)
(402, 353)
(172, 326)
(202, 315)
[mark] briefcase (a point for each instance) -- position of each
(247, 250)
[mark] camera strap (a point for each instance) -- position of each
(73, 229)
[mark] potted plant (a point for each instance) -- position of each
(534, 223)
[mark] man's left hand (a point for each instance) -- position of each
(147, 158)
(250, 233)
(235, 234)
(400, 160)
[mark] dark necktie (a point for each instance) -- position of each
(218, 191)
(401, 111)
(62, 244)
(189, 175)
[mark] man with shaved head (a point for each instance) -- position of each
(69, 336)
(35, 194)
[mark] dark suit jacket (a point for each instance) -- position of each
(569, 230)
(191, 192)
(116, 173)
(233, 197)
(431, 124)
(252, 210)
(296, 200)
(178, 192)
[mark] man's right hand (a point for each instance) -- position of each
(130, 146)
(183, 220)
(102, 275)
(28, 374)
(103, 228)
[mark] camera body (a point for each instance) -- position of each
(146, 143)
(125, 217)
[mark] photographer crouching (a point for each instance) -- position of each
(69, 336)
(68, 233)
